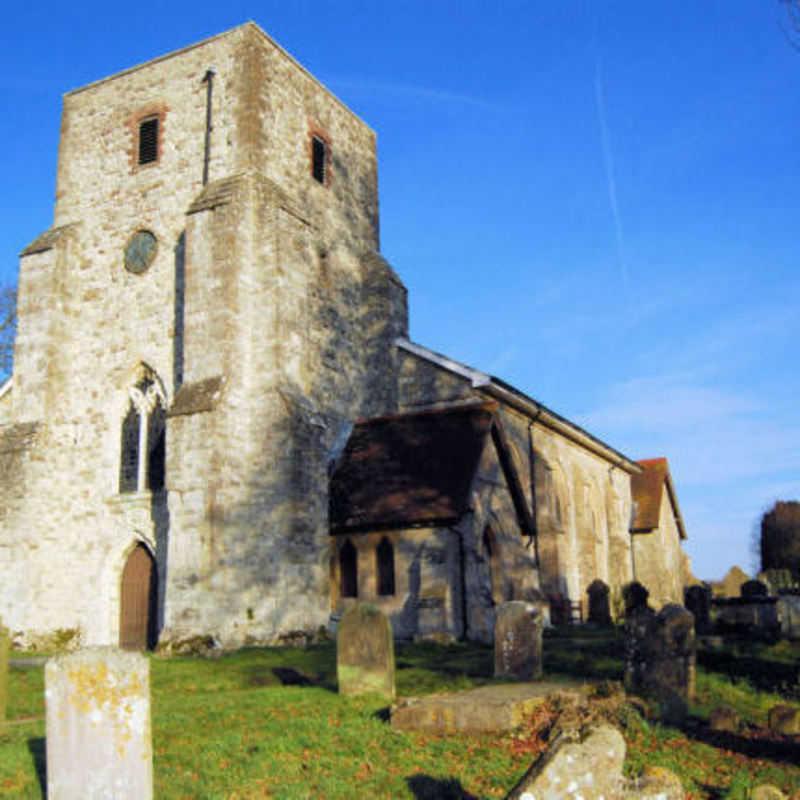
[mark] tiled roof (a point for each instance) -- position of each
(410, 469)
(647, 489)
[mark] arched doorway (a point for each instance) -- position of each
(138, 597)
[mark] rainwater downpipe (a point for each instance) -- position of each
(208, 79)
(534, 505)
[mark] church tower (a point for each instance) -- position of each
(197, 332)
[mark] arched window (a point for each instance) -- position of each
(384, 554)
(348, 570)
(143, 439)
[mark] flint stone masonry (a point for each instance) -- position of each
(98, 725)
(518, 641)
(591, 769)
(365, 652)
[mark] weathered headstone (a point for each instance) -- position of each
(98, 725)
(724, 719)
(698, 602)
(599, 606)
(518, 641)
(589, 769)
(4, 647)
(784, 719)
(365, 652)
(639, 624)
(635, 597)
(788, 609)
(660, 659)
(753, 588)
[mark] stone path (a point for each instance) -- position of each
(500, 707)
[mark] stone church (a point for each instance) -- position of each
(217, 424)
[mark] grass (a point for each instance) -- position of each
(268, 723)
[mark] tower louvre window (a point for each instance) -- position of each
(319, 158)
(148, 141)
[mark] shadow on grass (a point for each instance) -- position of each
(426, 788)
(769, 676)
(593, 653)
(36, 747)
(782, 751)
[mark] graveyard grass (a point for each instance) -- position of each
(268, 723)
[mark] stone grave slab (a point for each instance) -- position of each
(500, 707)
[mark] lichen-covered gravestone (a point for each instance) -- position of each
(590, 769)
(365, 652)
(518, 641)
(660, 659)
(98, 725)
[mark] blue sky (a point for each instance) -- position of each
(595, 201)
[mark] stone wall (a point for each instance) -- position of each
(256, 289)
(581, 504)
(658, 559)
(449, 580)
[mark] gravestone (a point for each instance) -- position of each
(753, 589)
(599, 607)
(4, 647)
(698, 601)
(365, 652)
(784, 720)
(518, 641)
(639, 623)
(634, 595)
(98, 725)
(591, 768)
(660, 659)
(788, 607)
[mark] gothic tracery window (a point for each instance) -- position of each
(143, 439)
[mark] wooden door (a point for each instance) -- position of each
(137, 616)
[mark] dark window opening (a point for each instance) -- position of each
(156, 444)
(129, 461)
(348, 569)
(385, 557)
(319, 159)
(148, 141)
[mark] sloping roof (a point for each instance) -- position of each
(647, 489)
(410, 469)
(505, 393)
(196, 397)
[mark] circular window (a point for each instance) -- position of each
(140, 252)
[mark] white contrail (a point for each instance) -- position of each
(609, 166)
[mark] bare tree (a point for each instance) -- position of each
(8, 328)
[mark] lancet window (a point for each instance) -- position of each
(143, 440)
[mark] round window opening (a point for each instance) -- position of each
(140, 252)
